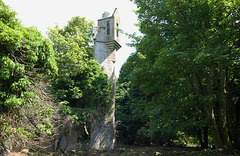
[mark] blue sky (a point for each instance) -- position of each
(48, 13)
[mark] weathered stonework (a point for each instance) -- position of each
(106, 37)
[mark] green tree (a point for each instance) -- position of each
(188, 66)
(80, 82)
(128, 123)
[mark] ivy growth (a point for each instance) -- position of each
(26, 59)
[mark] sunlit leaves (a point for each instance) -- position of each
(20, 84)
(7, 16)
(9, 38)
(81, 82)
(22, 51)
(14, 101)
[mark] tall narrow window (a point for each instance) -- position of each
(108, 28)
(117, 30)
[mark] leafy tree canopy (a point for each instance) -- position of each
(81, 81)
(187, 65)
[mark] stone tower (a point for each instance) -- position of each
(106, 37)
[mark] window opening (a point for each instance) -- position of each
(117, 30)
(108, 28)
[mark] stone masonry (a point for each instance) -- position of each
(106, 37)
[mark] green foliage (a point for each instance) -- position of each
(24, 53)
(129, 125)
(80, 85)
(105, 14)
(25, 58)
(44, 127)
(184, 66)
(12, 102)
(79, 115)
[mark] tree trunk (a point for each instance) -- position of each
(214, 129)
(222, 110)
(204, 142)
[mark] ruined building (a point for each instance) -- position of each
(106, 37)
